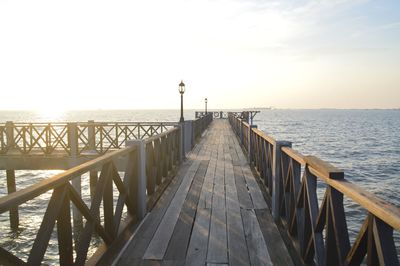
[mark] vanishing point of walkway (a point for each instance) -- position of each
(213, 212)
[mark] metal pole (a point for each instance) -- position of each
(206, 106)
(181, 119)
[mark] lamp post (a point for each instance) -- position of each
(181, 91)
(205, 100)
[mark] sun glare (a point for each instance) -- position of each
(50, 113)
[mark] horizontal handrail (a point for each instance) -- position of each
(264, 135)
(295, 155)
(385, 211)
(151, 139)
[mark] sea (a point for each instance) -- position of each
(365, 144)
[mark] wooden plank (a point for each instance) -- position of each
(276, 247)
(254, 190)
(218, 199)
(237, 248)
(217, 245)
(180, 237)
(197, 250)
(159, 243)
(242, 192)
(258, 251)
(138, 245)
(172, 263)
(205, 200)
(232, 202)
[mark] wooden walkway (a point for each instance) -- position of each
(213, 212)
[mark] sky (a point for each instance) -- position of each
(62, 55)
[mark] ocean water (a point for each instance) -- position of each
(364, 143)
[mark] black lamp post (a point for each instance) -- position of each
(181, 91)
(205, 100)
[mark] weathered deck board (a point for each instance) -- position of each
(276, 248)
(257, 247)
(213, 213)
(218, 242)
(159, 243)
(197, 251)
(140, 242)
(242, 191)
(180, 237)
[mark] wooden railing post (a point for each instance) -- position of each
(73, 138)
(93, 175)
(10, 135)
(91, 135)
(188, 135)
(250, 143)
(48, 139)
(276, 176)
(140, 183)
(241, 131)
(181, 143)
(76, 182)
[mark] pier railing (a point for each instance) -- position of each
(146, 165)
(318, 228)
(69, 138)
(124, 184)
(200, 124)
(215, 114)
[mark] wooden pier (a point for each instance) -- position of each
(212, 191)
(214, 212)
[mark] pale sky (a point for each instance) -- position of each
(237, 53)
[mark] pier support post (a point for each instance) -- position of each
(11, 187)
(140, 182)
(277, 177)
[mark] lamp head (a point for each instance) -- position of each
(181, 87)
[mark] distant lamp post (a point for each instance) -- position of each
(181, 91)
(205, 100)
